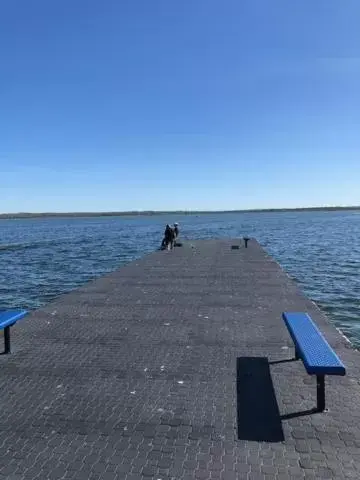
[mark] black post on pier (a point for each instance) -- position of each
(7, 340)
(320, 392)
(246, 239)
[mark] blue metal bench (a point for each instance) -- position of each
(8, 318)
(311, 347)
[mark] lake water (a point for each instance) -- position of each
(42, 258)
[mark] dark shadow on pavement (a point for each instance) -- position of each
(258, 416)
(286, 360)
(288, 416)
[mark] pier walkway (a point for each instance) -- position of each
(175, 367)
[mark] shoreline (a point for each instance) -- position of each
(25, 215)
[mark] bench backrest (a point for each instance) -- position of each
(9, 317)
(318, 357)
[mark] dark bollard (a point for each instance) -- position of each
(246, 239)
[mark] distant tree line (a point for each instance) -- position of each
(176, 212)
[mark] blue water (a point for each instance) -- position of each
(42, 258)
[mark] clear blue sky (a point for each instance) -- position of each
(192, 104)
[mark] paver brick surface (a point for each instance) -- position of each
(175, 367)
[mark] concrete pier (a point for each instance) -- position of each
(177, 366)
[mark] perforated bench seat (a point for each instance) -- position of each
(8, 318)
(312, 348)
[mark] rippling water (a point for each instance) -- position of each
(42, 258)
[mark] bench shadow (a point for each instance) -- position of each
(304, 413)
(286, 360)
(258, 415)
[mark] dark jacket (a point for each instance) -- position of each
(169, 233)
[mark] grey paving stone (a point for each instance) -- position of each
(269, 470)
(202, 474)
(229, 475)
(109, 476)
(149, 471)
(256, 476)
(242, 468)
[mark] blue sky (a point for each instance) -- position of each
(198, 104)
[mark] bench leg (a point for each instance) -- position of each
(7, 340)
(320, 391)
